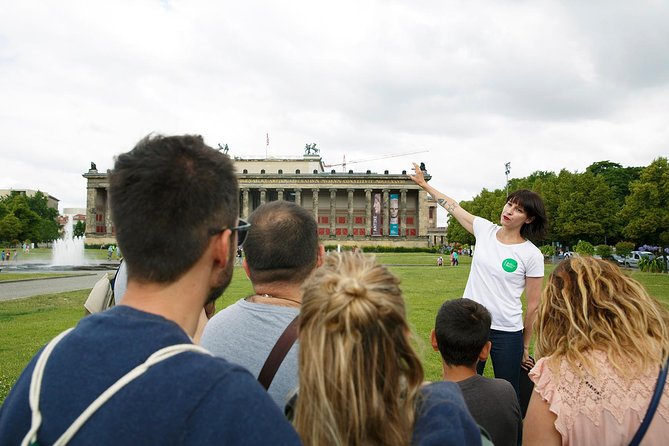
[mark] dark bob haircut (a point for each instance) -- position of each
(534, 207)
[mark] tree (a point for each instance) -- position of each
(647, 207)
(10, 227)
(586, 210)
(38, 221)
(616, 176)
(79, 229)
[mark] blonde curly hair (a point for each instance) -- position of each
(359, 374)
(590, 304)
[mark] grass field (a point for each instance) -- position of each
(27, 324)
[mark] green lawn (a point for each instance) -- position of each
(27, 324)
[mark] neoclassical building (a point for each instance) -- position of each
(352, 208)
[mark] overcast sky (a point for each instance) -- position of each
(544, 85)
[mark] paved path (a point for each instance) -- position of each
(29, 288)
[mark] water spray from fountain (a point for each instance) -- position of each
(69, 250)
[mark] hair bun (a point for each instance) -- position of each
(353, 287)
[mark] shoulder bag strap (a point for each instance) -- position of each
(652, 407)
(278, 353)
(38, 373)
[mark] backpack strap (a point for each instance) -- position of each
(652, 406)
(278, 353)
(38, 373)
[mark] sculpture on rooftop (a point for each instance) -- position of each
(310, 149)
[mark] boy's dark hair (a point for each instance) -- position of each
(533, 205)
(462, 328)
(166, 194)
(282, 243)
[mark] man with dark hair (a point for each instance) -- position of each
(134, 366)
(281, 250)
(461, 334)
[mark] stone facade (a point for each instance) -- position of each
(341, 202)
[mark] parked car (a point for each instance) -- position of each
(615, 258)
(620, 260)
(632, 260)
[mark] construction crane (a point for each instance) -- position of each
(343, 164)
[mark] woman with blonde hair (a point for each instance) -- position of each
(603, 341)
(361, 382)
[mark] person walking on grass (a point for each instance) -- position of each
(505, 265)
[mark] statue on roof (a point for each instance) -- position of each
(310, 149)
(93, 166)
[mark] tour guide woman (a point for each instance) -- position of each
(505, 264)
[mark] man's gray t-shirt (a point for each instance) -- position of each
(245, 333)
(494, 405)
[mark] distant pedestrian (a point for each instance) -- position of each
(440, 261)
(16, 254)
(110, 252)
(2, 255)
(455, 258)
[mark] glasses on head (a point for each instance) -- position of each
(241, 228)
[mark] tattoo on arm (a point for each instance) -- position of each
(446, 205)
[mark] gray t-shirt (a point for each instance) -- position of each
(245, 333)
(494, 405)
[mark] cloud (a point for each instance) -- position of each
(544, 84)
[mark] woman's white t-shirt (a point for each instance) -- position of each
(497, 276)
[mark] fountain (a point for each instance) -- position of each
(69, 250)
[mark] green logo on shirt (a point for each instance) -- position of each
(509, 265)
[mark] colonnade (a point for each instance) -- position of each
(252, 197)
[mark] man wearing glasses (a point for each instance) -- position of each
(133, 368)
(281, 249)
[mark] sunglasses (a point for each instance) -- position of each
(241, 228)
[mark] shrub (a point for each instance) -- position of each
(584, 248)
(604, 250)
(547, 250)
(648, 265)
(624, 248)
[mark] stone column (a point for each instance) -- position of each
(422, 213)
(368, 212)
(350, 212)
(263, 195)
(385, 210)
(90, 211)
(403, 212)
(108, 219)
(245, 202)
(279, 194)
(314, 202)
(298, 197)
(333, 212)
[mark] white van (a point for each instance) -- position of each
(632, 260)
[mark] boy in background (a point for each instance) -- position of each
(461, 334)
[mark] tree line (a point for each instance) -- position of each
(25, 219)
(604, 205)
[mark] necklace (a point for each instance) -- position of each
(269, 296)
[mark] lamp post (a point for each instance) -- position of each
(507, 171)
